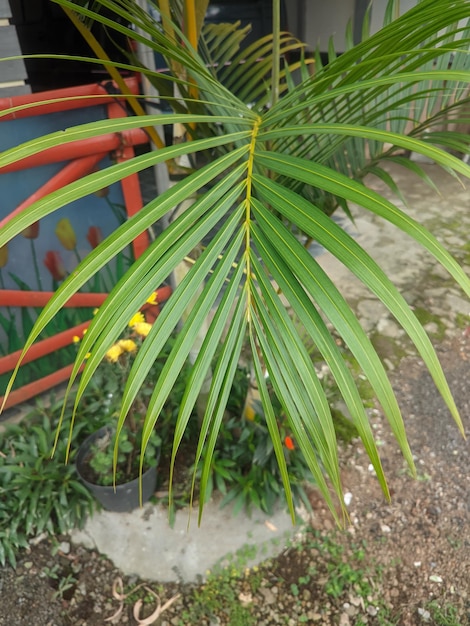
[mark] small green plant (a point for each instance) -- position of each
(62, 582)
(443, 615)
(219, 598)
(39, 492)
(102, 454)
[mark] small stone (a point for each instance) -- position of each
(344, 620)
(425, 615)
(268, 595)
(306, 595)
(37, 540)
(350, 610)
(435, 579)
(372, 610)
(28, 565)
(64, 547)
(245, 598)
(385, 529)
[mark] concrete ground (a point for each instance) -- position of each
(143, 543)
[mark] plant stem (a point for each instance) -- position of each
(35, 265)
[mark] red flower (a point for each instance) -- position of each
(289, 443)
(32, 232)
(94, 236)
(54, 264)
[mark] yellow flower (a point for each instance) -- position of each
(114, 352)
(66, 234)
(138, 318)
(152, 299)
(76, 339)
(250, 413)
(3, 256)
(127, 345)
(142, 328)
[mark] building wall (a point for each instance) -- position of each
(315, 21)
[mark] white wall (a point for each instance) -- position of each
(378, 10)
(314, 21)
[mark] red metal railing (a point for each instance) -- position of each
(83, 156)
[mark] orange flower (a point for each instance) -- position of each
(94, 236)
(289, 443)
(3, 255)
(66, 234)
(54, 264)
(32, 232)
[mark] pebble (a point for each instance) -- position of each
(268, 595)
(435, 579)
(344, 620)
(306, 595)
(425, 615)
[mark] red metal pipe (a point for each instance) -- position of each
(78, 149)
(72, 171)
(64, 338)
(81, 96)
(13, 297)
(38, 386)
(43, 347)
(130, 186)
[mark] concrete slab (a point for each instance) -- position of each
(142, 542)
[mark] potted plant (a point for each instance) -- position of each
(112, 468)
(275, 168)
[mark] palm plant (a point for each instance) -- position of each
(279, 154)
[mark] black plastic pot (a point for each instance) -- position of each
(123, 498)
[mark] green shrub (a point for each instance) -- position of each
(39, 492)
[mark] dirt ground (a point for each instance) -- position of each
(420, 542)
